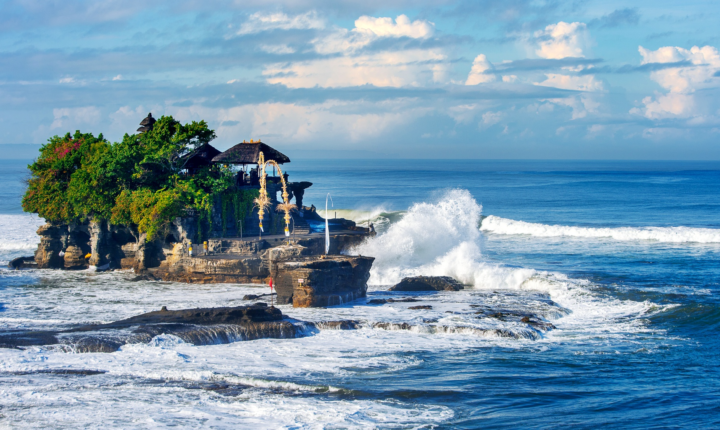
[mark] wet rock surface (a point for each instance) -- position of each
(428, 283)
(197, 326)
(321, 282)
(508, 313)
(27, 262)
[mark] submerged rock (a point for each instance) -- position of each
(428, 283)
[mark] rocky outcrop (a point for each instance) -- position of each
(23, 263)
(51, 245)
(319, 281)
(197, 326)
(428, 283)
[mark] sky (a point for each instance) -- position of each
(513, 79)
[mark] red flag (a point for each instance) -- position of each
(271, 284)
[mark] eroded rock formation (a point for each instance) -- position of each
(318, 282)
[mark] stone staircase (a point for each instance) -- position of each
(299, 225)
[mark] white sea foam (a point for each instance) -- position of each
(442, 239)
(498, 225)
(19, 235)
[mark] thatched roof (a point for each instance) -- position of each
(201, 156)
(146, 124)
(248, 152)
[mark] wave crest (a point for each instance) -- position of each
(498, 225)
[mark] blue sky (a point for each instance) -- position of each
(393, 78)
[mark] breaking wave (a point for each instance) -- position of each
(443, 239)
(497, 225)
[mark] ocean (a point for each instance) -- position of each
(621, 257)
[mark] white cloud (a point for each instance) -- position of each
(261, 21)
(491, 118)
(409, 67)
(383, 69)
(288, 122)
(671, 105)
(705, 62)
(368, 29)
(277, 49)
(581, 105)
(67, 80)
(509, 78)
(680, 82)
(72, 117)
(477, 73)
(565, 82)
(562, 40)
(117, 78)
(384, 27)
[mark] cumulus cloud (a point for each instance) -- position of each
(368, 29)
(348, 66)
(562, 40)
(698, 70)
(705, 62)
(263, 21)
(478, 71)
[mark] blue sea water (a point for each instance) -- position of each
(631, 251)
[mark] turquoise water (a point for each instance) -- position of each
(630, 249)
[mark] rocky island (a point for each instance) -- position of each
(167, 204)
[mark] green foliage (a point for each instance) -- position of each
(62, 174)
(243, 204)
(149, 210)
(138, 181)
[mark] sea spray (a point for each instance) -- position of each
(426, 232)
(439, 239)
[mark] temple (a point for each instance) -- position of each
(258, 230)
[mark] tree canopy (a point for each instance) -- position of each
(139, 180)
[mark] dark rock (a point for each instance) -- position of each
(377, 302)
(422, 307)
(22, 263)
(428, 283)
(336, 325)
(258, 296)
(403, 300)
(200, 316)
